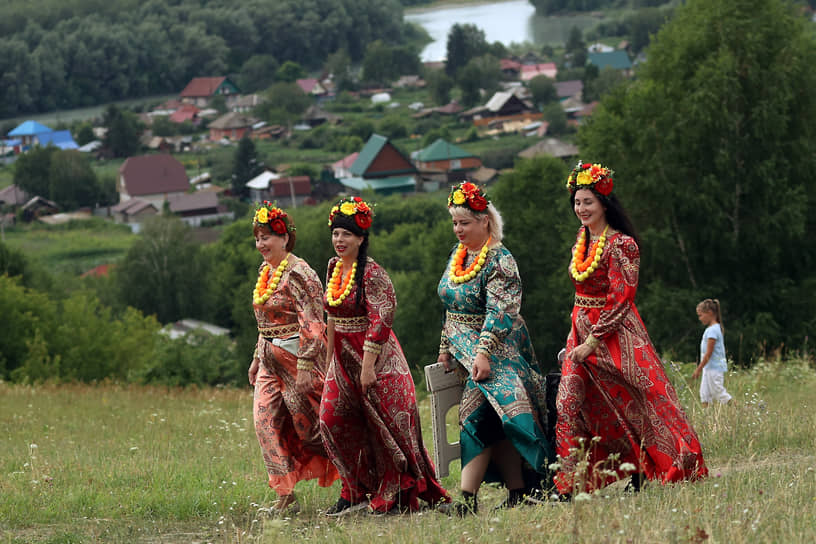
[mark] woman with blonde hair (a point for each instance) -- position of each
(502, 415)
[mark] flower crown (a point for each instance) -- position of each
(353, 206)
(591, 176)
(468, 195)
(277, 219)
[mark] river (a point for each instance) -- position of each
(511, 21)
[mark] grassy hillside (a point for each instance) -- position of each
(132, 464)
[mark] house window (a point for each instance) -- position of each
(456, 163)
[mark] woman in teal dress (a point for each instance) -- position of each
(503, 411)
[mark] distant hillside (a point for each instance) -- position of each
(73, 53)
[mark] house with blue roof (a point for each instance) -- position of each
(382, 167)
(59, 138)
(616, 60)
(27, 131)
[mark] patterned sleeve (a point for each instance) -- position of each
(503, 301)
(329, 269)
(381, 303)
(307, 294)
(622, 271)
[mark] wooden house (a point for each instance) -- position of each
(231, 126)
(153, 178)
(450, 158)
(201, 90)
(382, 167)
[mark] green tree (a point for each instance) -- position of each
(465, 42)
(124, 130)
(245, 166)
(84, 134)
(555, 115)
(480, 74)
(440, 86)
(543, 90)
(258, 73)
(285, 103)
(72, 181)
(709, 146)
(289, 72)
(162, 273)
(32, 171)
(338, 66)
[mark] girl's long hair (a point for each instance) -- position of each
(712, 305)
(615, 214)
(362, 259)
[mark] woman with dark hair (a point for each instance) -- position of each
(368, 416)
(503, 410)
(288, 367)
(618, 413)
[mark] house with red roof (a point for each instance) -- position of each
(231, 126)
(186, 112)
(311, 86)
(152, 178)
(342, 168)
(201, 90)
(529, 71)
(382, 167)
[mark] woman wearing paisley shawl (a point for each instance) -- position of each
(368, 416)
(288, 367)
(503, 408)
(618, 414)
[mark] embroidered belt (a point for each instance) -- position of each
(279, 331)
(590, 302)
(357, 323)
(471, 320)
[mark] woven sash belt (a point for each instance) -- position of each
(471, 320)
(279, 331)
(357, 323)
(590, 302)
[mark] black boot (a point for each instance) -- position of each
(635, 483)
(468, 506)
(514, 498)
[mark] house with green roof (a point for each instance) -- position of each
(616, 60)
(445, 156)
(382, 167)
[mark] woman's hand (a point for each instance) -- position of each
(368, 378)
(481, 367)
(303, 384)
(444, 358)
(580, 353)
(253, 371)
(696, 373)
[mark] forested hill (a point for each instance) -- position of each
(72, 53)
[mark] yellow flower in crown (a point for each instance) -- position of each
(584, 178)
(347, 208)
(591, 176)
(262, 215)
(458, 197)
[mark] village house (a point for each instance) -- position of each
(616, 60)
(511, 69)
(194, 208)
(31, 133)
(27, 131)
(311, 86)
(287, 190)
(231, 126)
(382, 167)
(342, 168)
(247, 102)
(552, 147)
(201, 90)
(153, 178)
(502, 112)
(133, 212)
(569, 88)
(451, 159)
(529, 71)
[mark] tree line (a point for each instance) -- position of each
(59, 55)
(711, 145)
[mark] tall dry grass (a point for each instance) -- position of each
(106, 463)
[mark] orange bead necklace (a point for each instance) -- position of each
(338, 288)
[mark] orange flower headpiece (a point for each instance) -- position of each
(468, 195)
(351, 211)
(591, 176)
(266, 213)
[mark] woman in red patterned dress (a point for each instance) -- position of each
(618, 414)
(288, 366)
(368, 416)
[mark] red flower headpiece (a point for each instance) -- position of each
(267, 213)
(468, 195)
(352, 206)
(591, 176)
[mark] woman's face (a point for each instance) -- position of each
(470, 229)
(346, 243)
(271, 246)
(589, 209)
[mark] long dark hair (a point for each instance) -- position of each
(362, 258)
(615, 214)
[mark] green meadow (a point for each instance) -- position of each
(111, 463)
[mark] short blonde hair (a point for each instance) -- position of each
(495, 224)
